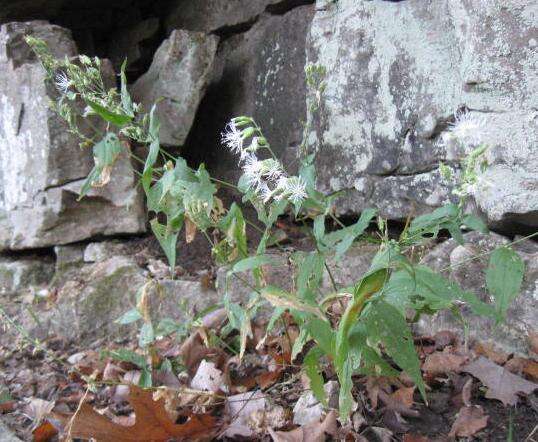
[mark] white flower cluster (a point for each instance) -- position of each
(468, 128)
(63, 83)
(265, 177)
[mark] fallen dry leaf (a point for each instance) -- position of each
(443, 362)
(313, 432)
(190, 230)
(152, 423)
(208, 378)
(489, 351)
(533, 342)
(45, 432)
(404, 396)
(410, 437)
(36, 409)
(501, 384)
(240, 408)
(469, 421)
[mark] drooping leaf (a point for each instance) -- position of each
(311, 366)
(126, 101)
(341, 240)
(119, 120)
(387, 325)
(123, 354)
(475, 223)
(146, 335)
(280, 298)
(252, 262)
(167, 239)
(105, 153)
(504, 277)
(299, 343)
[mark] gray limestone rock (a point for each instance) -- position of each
(42, 167)
(396, 73)
(522, 316)
(212, 15)
(178, 77)
(20, 274)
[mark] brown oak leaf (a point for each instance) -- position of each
(470, 420)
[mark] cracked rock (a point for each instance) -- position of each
(42, 167)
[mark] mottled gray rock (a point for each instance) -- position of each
(42, 168)
(103, 250)
(7, 435)
(70, 254)
(396, 72)
(179, 74)
(23, 273)
(308, 409)
(522, 316)
(211, 15)
(260, 73)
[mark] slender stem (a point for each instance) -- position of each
(224, 183)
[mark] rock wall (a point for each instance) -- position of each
(397, 71)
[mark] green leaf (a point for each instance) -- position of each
(342, 239)
(132, 315)
(119, 120)
(126, 101)
(167, 240)
(311, 367)
(105, 153)
(387, 325)
(473, 222)
(147, 335)
(280, 298)
(504, 277)
(145, 380)
(125, 355)
(252, 262)
(309, 271)
(323, 334)
(299, 343)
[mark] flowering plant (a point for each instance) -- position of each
(374, 324)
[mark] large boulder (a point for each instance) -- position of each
(461, 265)
(42, 167)
(396, 73)
(19, 274)
(176, 80)
(215, 15)
(259, 73)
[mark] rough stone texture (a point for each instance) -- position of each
(179, 74)
(126, 42)
(42, 167)
(522, 317)
(346, 272)
(397, 71)
(70, 254)
(6, 435)
(100, 251)
(20, 274)
(212, 15)
(259, 73)
(89, 301)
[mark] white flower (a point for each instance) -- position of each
(272, 170)
(292, 188)
(467, 128)
(62, 82)
(253, 170)
(233, 139)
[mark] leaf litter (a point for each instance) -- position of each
(219, 396)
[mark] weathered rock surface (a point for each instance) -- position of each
(522, 316)
(179, 74)
(6, 435)
(260, 73)
(213, 15)
(42, 168)
(24, 273)
(396, 72)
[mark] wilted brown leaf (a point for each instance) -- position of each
(152, 423)
(313, 432)
(443, 362)
(190, 230)
(469, 421)
(489, 351)
(410, 437)
(502, 384)
(404, 396)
